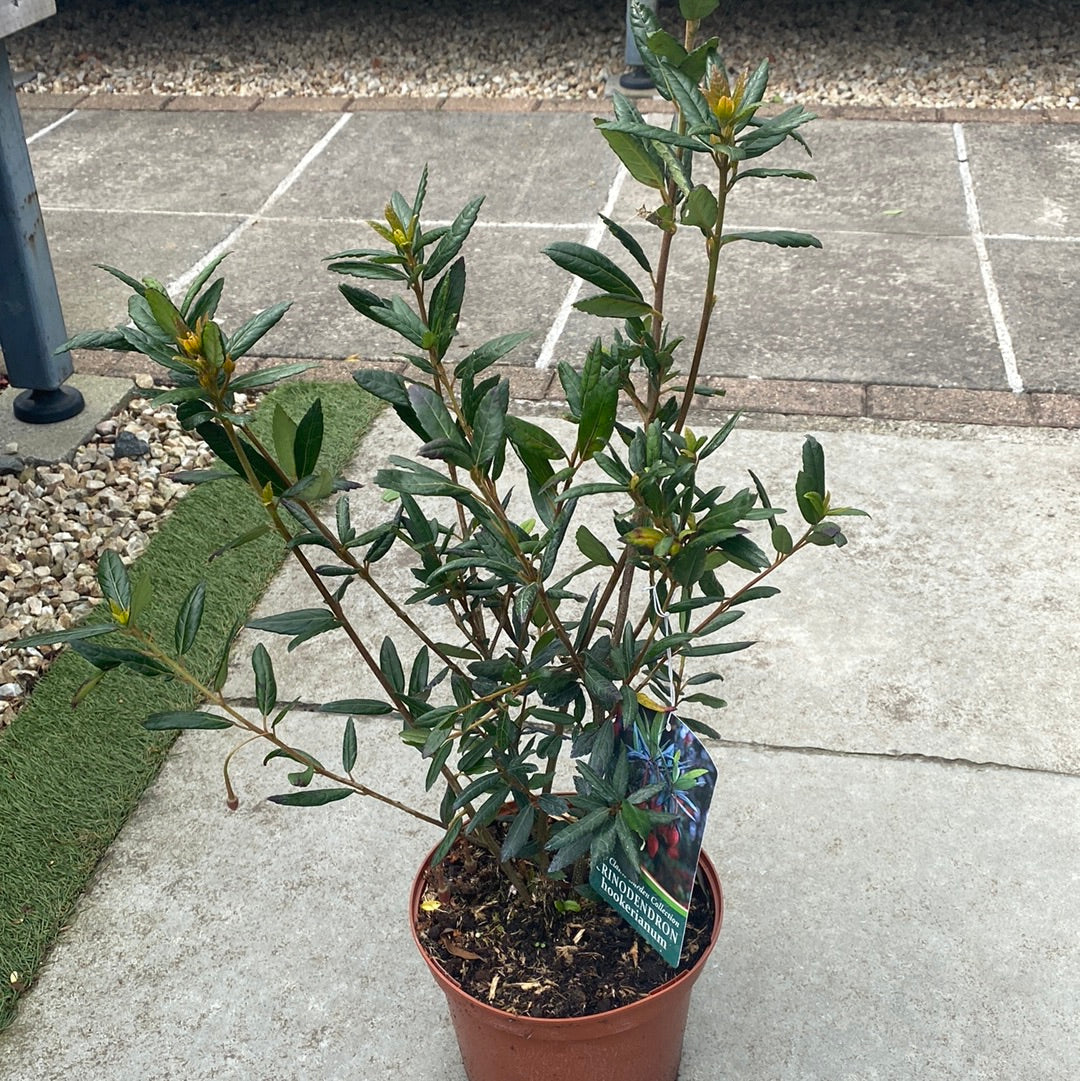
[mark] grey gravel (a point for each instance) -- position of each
(55, 520)
(988, 53)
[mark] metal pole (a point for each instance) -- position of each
(637, 78)
(31, 322)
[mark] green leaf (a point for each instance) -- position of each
(113, 578)
(781, 540)
(348, 746)
(700, 209)
(450, 243)
(207, 304)
(793, 174)
(313, 797)
(212, 347)
(593, 549)
(309, 438)
(653, 133)
(166, 313)
(390, 664)
(265, 683)
(174, 721)
(202, 278)
(633, 150)
(283, 432)
(189, 618)
(518, 834)
(695, 10)
(140, 598)
(447, 842)
(394, 313)
(267, 376)
(246, 538)
(360, 269)
(782, 238)
(592, 266)
(483, 356)
(811, 479)
(489, 423)
(629, 242)
(244, 338)
(610, 306)
(304, 623)
(107, 657)
(445, 306)
(362, 707)
(438, 424)
(75, 634)
(715, 649)
(97, 339)
(127, 279)
(583, 828)
(599, 404)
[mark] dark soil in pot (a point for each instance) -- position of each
(557, 956)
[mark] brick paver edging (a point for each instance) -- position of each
(785, 397)
(215, 103)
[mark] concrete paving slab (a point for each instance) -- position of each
(1027, 179)
(941, 629)
(1038, 284)
(218, 162)
(58, 442)
(33, 120)
(511, 286)
(155, 245)
(892, 920)
(866, 308)
(532, 168)
(872, 176)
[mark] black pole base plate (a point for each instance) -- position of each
(48, 406)
(635, 78)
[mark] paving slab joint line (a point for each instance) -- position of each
(915, 114)
(892, 756)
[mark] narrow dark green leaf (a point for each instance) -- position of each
(127, 279)
(207, 304)
(583, 828)
(245, 538)
(609, 306)
(592, 548)
(189, 618)
(362, 707)
(172, 721)
(447, 842)
(113, 578)
(244, 338)
(782, 238)
(489, 423)
(483, 356)
(201, 279)
(517, 837)
(348, 746)
(452, 240)
(629, 242)
(314, 797)
(811, 480)
(592, 266)
(362, 269)
(265, 683)
(390, 664)
(716, 649)
(268, 376)
(309, 438)
(793, 174)
(75, 634)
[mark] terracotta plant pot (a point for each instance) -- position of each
(639, 1042)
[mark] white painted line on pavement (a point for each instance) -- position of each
(180, 284)
(49, 127)
(596, 233)
(1035, 238)
(993, 298)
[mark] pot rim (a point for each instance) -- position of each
(447, 982)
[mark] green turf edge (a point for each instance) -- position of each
(70, 778)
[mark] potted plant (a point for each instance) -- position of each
(575, 646)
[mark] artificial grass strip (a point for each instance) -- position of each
(69, 778)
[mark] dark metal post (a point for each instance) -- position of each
(31, 322)
(636, 78)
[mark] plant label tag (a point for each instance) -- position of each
(662, 751)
